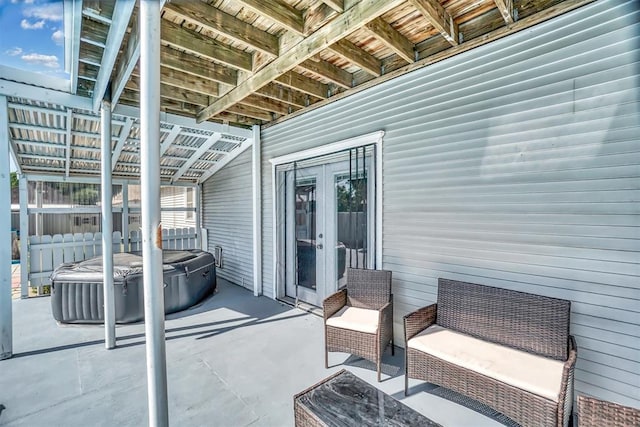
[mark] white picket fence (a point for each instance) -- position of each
(46, 253)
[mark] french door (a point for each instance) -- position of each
(328, 223)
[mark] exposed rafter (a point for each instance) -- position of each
(433, 11)
(357, 56)
(186, 63)
(337, 5)
(72, 26)
(506, 10)
(121, 17)
(195, 156)
(221, 23)
(122, 139)
(173, 134)
(352, 19)
(20, 90)
(391, 38)
(195, 43)
(279, 12)
(329, 71)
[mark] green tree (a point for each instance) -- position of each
(13, 176)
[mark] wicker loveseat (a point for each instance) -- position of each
(509, 350)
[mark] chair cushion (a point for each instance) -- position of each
(355, 319)
(536, 374)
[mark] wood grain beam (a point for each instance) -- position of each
(391, 38)
(330, 72)
(186, 81)
(268, 104)
(249, 111)
(359, 57)
(172, 92)
(195, 43)
(284, 94)
(352, 19)
(316, 17)
(303, 84)
(190, 64)
(279, 12)
(219, 22)
(337, 5)
(433, 11)
(506, 10)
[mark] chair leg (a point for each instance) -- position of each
(406, 385)
(326, 358)
(379, 364)
(393, 351)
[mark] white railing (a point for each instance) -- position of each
(172, 238)
(46, 253)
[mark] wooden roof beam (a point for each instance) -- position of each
(358, 57)
(284, 94)
(359, 15)
(506, 10)
(219, 22)
(330, 72)
(337, 5)
(195, 43)
(252, 112)
(180, 61)
(391, 38)
(279, 12)
(187, 81)
(433, 11)
(303, 84)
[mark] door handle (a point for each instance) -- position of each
(319, 246)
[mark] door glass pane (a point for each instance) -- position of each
(306, 217)
(351, 250)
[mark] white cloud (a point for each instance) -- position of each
(14, 52)
(47, 11)
(58, 37)
(26, 25)
(50, 61)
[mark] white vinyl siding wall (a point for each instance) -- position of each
(516, 164)
(227, 216)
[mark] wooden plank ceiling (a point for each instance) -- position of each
(248, 62)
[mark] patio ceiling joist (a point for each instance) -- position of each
(391, 38)
(441, 20)
(506, 10)
(352, 19)
(117, 30)
(72, 25)
(196, 156)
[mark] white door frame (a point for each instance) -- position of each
(367, 139)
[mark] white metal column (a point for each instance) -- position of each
(6, 314)
(197, 192)
(151, 229)
(107, 227)
(39, 221)
(23, 188)
(125, 217)
(256, 167)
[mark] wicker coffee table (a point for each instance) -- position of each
(345, 400)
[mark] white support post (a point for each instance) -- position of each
(256, 160)
(149, 18)
(39, 222)
(23, 188)
(197, 190)
(125, 216)
(6, 313)
(107, 227)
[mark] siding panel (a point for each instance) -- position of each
(227, 216)
(516, 164)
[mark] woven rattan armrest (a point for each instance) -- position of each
(386, 312)
(333, 303)
(419, 320)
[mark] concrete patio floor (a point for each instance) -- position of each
(234, 360)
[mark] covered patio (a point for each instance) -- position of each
(484, 141)
(234, 360)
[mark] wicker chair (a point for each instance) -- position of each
(359, 319)
(596, 413)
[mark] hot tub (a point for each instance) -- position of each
(77, 293)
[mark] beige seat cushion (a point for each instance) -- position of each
(536, 374)
(356, 319)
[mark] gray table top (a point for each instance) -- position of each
(345, 400)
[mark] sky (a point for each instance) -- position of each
(32, 36)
